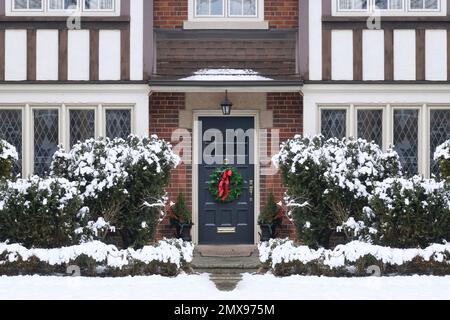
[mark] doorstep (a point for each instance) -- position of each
(226, 264)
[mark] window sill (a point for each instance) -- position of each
(217, 25)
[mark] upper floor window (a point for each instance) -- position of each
(62, 7)
(226, 14)
(226, 8)
(390, 7)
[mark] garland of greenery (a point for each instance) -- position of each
(225, 185)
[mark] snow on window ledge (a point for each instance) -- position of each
(226, 75)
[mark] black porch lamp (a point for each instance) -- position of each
(226, 105)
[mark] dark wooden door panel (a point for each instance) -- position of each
(231, 223)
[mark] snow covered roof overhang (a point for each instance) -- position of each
(221, 85)
(220, 79)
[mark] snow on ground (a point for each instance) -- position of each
(199, 287)
(225, 75)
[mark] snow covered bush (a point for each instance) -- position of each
(285, 258)
(40, 212)
(329, 182)
(122, 182)
(8, 155)
(166, 257)
(442, 155)
(408, 212)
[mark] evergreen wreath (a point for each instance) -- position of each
(225, 185)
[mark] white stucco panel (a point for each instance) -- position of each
(15, 55)
(109, 55)
(47, 54)
(404, 55)
(78, 55)
(436, 55)
(373, 55)
(342, 54)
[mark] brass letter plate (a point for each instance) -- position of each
(226, 230)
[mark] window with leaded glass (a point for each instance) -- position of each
(439, 133)
(406, 138)
(370, 125)
(11, 131)
(82, 125)
(209, 7)
(118, 123)
(46, 138)
(333, 123)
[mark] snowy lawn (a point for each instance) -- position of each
(197, 287)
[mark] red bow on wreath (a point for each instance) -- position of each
(224, 191)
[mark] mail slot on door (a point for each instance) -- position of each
(226, 230)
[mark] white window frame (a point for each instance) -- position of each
(24, 129)
(427, 147)
(226, 21)
(406, 11)
(101, 10)
(60, 127)
(63, 124)
(82, 108)
(107, 107)
(46, 11)
(50, 10)
(349, 122)
(381, 108)
(25, 10)
(424, 125)
(227, 12)
(420, 131)
(425, 9)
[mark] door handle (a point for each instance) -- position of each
(251, 189)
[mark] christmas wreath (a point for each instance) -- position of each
(225, 185)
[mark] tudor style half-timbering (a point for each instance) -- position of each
(380, 70)
(69, 70)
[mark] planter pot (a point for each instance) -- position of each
(184, 232)
(268, 231)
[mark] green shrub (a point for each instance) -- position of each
(40, 212)
(442, 155)
(270, 214)
(180, 212)
(329, 182)
(8, 156)
(409, 212)
(122, 182)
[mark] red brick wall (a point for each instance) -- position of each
(281, 14)
(288, 120)
(164, 114)
(170, 14)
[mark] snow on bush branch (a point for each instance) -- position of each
(173, 251)
(329, 181)
(122, 181)
(104, 163)
(442, 155)
(283, 251)
(8, 155)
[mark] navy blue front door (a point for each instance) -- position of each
(226, 142)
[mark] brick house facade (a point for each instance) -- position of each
(288, 66)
